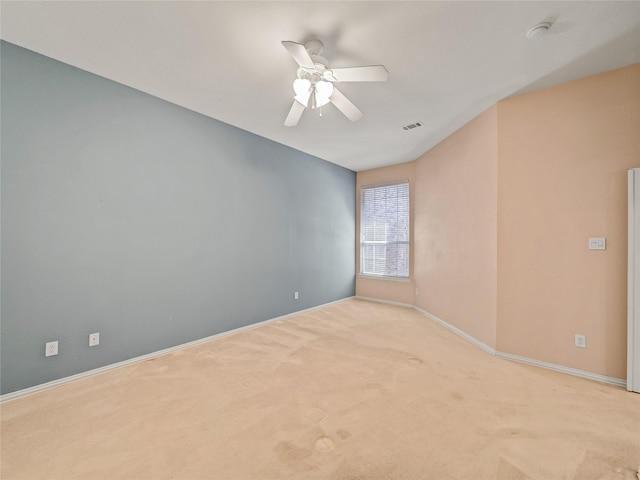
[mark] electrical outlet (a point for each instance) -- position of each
(94, 339)
(50, 349)
(581, 341)
(417, 291)
(295, 295)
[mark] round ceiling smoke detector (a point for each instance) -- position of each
(538, 30)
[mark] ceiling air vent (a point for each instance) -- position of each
(411, 126)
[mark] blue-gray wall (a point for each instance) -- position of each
(130, 216)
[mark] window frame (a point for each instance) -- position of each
(361, 242)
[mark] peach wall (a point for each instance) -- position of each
(502, 210)
(392, 290)
(564, 153)
(455, 261)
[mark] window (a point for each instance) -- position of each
(384, 230)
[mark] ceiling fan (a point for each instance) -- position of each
(314, 85)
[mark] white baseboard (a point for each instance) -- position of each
(529, 361)
(551, 366)
(559, 368)
(457, 331)
(79, 376)
(388, 302)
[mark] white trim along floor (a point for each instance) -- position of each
(551, 366)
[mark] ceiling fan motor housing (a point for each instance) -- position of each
(320, 72)
(314, 47)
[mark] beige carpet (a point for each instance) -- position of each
(356, 390)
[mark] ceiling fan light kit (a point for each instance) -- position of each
(301, 85)
(314, 86)
(312, 94)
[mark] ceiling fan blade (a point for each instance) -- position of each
(299, 54)
(294, 114)
(372, 73)
(343, 104)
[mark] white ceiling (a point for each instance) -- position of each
(447, 61)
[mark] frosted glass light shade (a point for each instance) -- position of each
(303, 98)
(301, 86)
(321, 101)
(324, 89)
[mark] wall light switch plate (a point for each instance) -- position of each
(296, 296)
(597, 243)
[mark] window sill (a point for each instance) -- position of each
(380, 277)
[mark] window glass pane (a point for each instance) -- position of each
(385, 230)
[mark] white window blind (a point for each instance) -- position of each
(384, 230)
